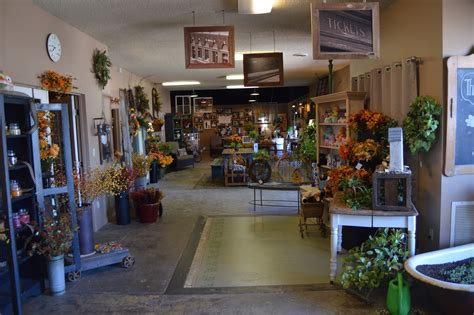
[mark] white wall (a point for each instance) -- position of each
(23, 31)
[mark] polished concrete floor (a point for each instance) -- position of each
(164, 253)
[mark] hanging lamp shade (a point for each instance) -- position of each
(255, 6)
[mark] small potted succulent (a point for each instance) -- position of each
(55, 237)
(149, 204)
(118, 181)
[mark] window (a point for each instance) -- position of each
(183, 105)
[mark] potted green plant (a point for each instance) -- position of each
(375, 261)
(55, 239)
(149, 204)
(118, 180)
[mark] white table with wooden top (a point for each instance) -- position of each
(341, 215)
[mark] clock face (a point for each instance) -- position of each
(53, 45)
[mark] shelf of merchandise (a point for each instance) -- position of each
(347, 103)
(18, 279)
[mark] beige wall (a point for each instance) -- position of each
(413, 28)
(458, 39)
(23, 31)
(341, 81)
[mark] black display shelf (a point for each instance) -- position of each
(22, 136)
(17, 167)
(24, 196)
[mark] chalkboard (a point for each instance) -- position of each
(460, 116)
(345, 30)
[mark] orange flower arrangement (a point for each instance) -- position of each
(345, 150)
(55, 82)
(235, 141)
(48, 151)
(366, 120)
(338, 174)
(365, 151)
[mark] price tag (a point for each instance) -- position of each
(358, 166)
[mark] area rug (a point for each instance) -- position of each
(246, 251)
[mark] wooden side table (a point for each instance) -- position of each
(341, 215)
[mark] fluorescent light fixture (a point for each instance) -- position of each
(239, 56)
(234, 77)
(240, 86)
(251, 101)
(177, 83)
(300, 55)
(255, 6)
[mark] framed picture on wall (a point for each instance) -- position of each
(263, 69)
(345, 30)
(209, 47)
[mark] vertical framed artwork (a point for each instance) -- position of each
(459, 155)
(345, 30)
(209, 47)
(264, 69)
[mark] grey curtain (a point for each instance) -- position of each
(390, 89)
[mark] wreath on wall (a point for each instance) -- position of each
(101, 67)
(421, 124)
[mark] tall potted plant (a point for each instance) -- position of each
(118, 182)
(56, 236)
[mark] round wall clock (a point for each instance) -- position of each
(53, 46)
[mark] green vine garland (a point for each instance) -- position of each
(421, 123)
(141, 99)
(101, 67)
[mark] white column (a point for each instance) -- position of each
(334, 243)
(339, 239)
(411, 235)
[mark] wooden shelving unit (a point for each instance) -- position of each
(347, 103)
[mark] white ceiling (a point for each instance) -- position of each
(146, 36)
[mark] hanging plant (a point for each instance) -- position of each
(101, 67)
(155, 101)
(421, 124)
(141, 100)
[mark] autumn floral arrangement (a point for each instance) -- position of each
(235, 141)
(55, 82)
(372, 122)
(49, 151)
(161, 153)
(366, 150)
(56, 235)
(141, 164)
(118, 179)
(354, 186)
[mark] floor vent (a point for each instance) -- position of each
(462, 222)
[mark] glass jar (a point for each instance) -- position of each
(12, 159)
(15, 188)
(16, 220)
(15, 129)
(24, 216)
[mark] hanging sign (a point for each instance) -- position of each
(345, 30)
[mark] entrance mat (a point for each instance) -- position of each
(251, 254)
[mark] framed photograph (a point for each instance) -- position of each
(263, 69)
(214, 123)
(209, 47)
(345, 30)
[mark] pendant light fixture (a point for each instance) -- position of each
(194, 94)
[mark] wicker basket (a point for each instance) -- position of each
(312, 210)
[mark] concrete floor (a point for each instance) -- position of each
(158, 248)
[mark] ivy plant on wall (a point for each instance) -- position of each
(421, 124)
(101, 67)
(155, 101)
(141, 99)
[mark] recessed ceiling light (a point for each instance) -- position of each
(234, 77)
(176, 83)
(251, 101)
(300, 55)
(240, 87)
(293, 105)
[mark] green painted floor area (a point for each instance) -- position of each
(237, 251)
